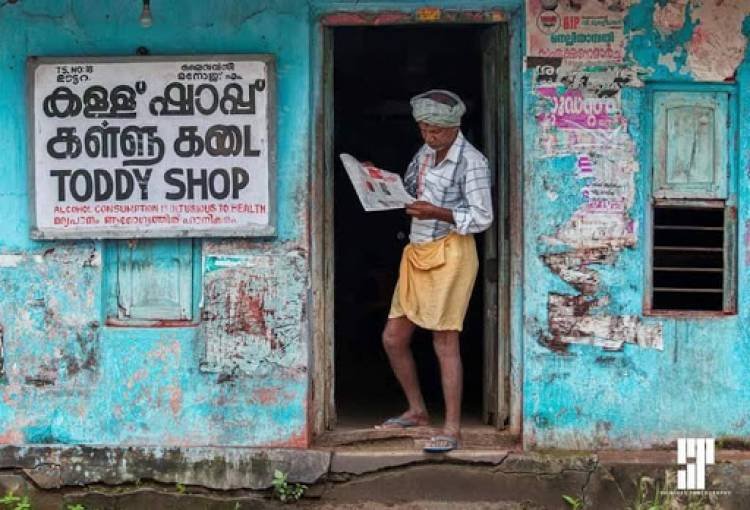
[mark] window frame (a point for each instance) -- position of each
(110, 290)
(729, 204)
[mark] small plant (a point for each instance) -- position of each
(180, 487)
(646, 486)
(11, 501)
(77, 506)
(285, 491)
(573, 502)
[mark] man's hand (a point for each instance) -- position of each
(422, 210)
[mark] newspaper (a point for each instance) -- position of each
(377, 189)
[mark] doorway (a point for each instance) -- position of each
(374, 71)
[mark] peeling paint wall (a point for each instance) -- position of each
(597, 372)
(69, 378)
(240, 374)
(592, 369)
(252, 314)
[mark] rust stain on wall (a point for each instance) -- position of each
(266, 395)
(252, 313)
(245, 311)
(670, 16)
(717, 46)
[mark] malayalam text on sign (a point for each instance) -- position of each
(583, 31)
(152, 147)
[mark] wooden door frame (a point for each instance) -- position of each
(321, 410)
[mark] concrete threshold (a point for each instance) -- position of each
(358, 462)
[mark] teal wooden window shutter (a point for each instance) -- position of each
(691, 144)
(692, 219)
(152, 280)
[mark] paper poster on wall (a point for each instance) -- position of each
(575, 30)
(152, 146)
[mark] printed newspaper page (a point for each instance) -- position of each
(378, 190)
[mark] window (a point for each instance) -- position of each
(692, 222)
(151, 281)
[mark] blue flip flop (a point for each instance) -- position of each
(441, 444)
(399, 422)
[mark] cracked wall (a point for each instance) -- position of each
(597, 371)
(241, 376)
(68, 377)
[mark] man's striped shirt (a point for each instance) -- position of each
(461, 183)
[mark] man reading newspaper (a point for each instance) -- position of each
(451, 182)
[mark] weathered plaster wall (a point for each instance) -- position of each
(70, 379)
(597, 373)
(241, 376)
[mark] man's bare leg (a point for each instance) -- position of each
(397, 343)
(448, 353)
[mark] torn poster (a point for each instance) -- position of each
(571, 322)
(253, 314)
(579, 113)
(571, 122)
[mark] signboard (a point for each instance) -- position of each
(575, 30)
(152, 146)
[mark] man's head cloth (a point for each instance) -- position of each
(438, 107)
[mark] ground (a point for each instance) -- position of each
(355, 477)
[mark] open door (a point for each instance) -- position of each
(353, 279)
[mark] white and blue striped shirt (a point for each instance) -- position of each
(460, 182)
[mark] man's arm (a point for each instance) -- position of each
(426, 211)
(472, 217)
(476, 214)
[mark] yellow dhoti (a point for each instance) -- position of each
(435, 282)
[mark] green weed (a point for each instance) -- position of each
(285, 491)
(573, 502)
(13, 502)
(650, 495)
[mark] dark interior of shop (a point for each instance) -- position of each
(376, 71)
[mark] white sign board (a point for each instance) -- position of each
(152, 146)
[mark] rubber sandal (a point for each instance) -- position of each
(399, 422)
(441, 444)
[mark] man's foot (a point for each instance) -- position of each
(442, 443)
(406, 420)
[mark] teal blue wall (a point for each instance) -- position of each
(68, 378)
(582, 396)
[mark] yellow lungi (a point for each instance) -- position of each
(435, 282)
